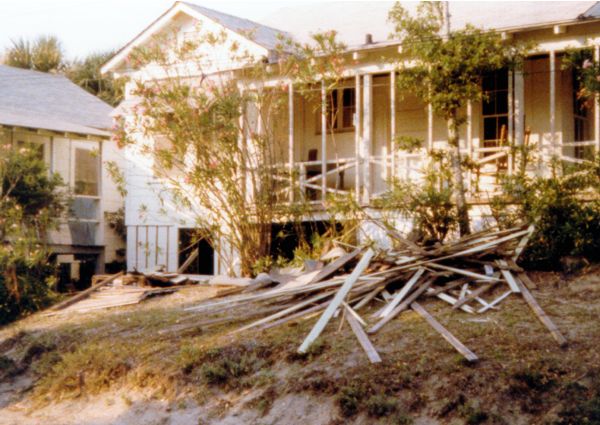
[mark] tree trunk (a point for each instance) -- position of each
(459, 184)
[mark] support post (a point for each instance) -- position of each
(357, 136)
(367, 142)
(323, 141)
(553, 144)
(519, 107)
(469, 138)
(597, 107)
(291, 137)
(392, 123)
(429, 127)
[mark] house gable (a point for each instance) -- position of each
(184, 19)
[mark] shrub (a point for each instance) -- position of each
(349, 400)
(380, 405)
(30, 204)
(428, 203)
(565, 210)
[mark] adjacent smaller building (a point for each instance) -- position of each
(70, 128)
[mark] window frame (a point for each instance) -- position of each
(336, 96)
(493, 143)
(88, 146)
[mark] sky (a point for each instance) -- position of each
(87, 26)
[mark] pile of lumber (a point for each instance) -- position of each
(108, 291)
(352, 286)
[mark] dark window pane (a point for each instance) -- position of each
(489, 128)
(502, 102)
(502, 79)
(487, 82)
(488, 105)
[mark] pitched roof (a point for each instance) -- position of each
(353, 19)
(51, 102)
(261, 34)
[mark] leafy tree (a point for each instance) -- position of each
(86, 74)
(30, 204)
(44, 54)
(444, 69)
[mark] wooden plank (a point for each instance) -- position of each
(402, 293)
(285, 311)
(354, 313)
(188, 261)
(451, 300)
(450, 285)
(84, 294)
(459, 346)
(362, 337)
(508, 276)
(474, 294)
(464, 272)
(524, 277)
(335, 265)
(542, 316)
(402, 306)
(495, 302)
(523, 243)
(337, 300)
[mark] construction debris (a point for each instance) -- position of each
(460, 273)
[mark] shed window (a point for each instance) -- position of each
(86, 172)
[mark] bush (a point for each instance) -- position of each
(33, 291)
(565, 210)
(380, 405)
(30, 205)
(429, 203)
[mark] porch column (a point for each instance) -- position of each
(392, 123)
(553, 146)
(597, 107)
(357, 136)
(323, 141)
(469, 139)
(511, 108)
(291, 137)
(367, 142)
(429, 126)
(519, 107)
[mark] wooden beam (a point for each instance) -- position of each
(323, 141)
(459, 346)
(362, 337)
(337, 300)
(367, 139)
(402, 293)
(402, 306)
(542, 316)
(357, 136)
(84, 294)
(291, 137)
(188, 261)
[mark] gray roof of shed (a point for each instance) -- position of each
(50, 102)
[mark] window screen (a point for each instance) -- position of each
(86, 173)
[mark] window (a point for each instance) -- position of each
(87, 171)
(495, 107)
(341, 107)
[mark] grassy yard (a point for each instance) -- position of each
(164, 353)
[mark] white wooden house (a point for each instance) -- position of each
(70, 128)
(536, 105)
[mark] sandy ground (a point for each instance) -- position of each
(133, 407)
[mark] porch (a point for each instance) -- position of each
(341, 142)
